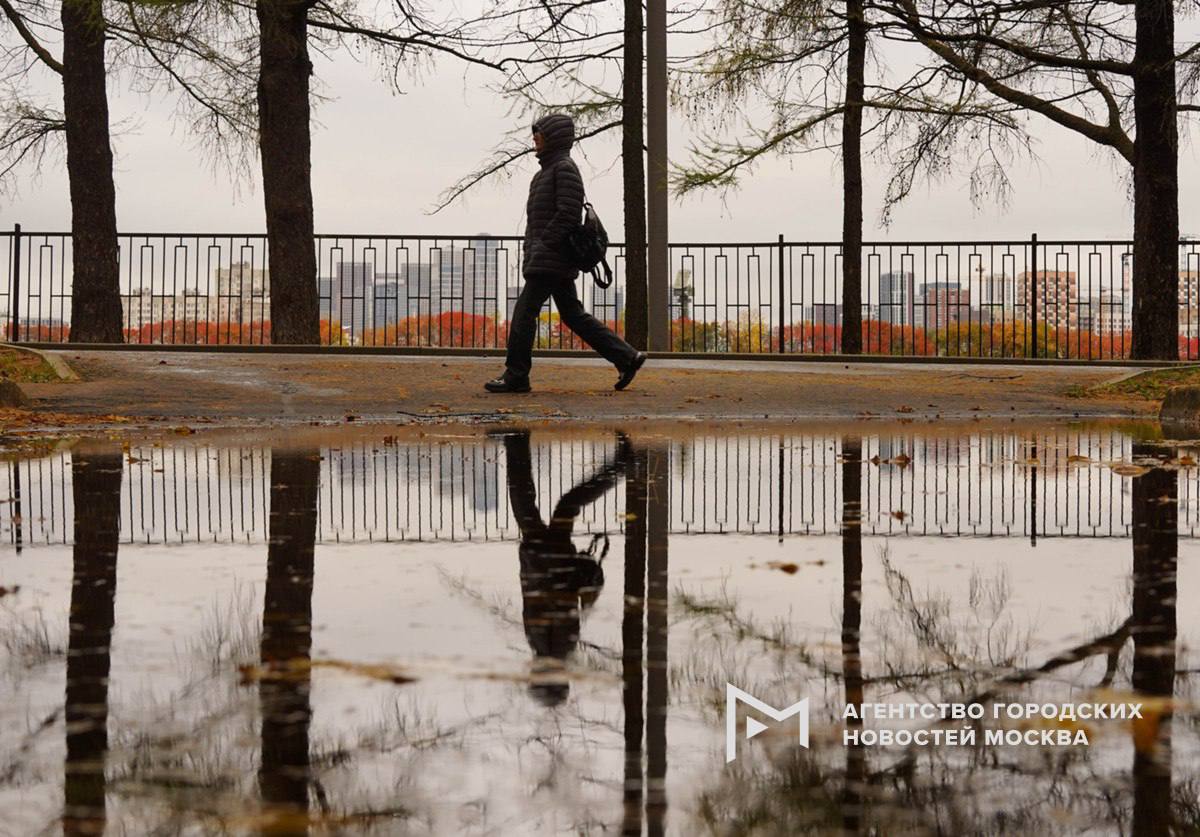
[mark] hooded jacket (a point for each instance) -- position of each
(555, 203)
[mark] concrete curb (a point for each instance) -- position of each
(429, 351)
(60, 366)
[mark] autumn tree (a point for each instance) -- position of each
(783, 77)
(1094, 69)
(84, 124)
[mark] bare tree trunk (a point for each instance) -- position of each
(95, 288)
(1155, 186)
(286, 148)
(633, 172)
(852, 182)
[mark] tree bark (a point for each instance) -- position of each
(852, 179)
(633, 173)
(1155, 185)
(286, 148)
(95, 285)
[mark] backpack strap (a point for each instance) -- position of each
(608, 274)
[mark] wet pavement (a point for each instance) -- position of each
(231, 388)
(533, 631)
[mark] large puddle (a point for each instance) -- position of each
(536, 632)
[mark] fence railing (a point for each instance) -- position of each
(984, 485)
(1067, 299)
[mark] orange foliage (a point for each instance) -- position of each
(448, 329)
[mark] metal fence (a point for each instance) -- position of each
(979, 485)
(1066, 299)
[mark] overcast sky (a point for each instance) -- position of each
(381, 160)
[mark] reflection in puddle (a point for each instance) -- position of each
(533, 633)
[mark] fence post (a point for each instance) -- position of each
(1033, 244)
(14, 300)
(782, 305)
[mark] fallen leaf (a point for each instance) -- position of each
(1128, 469)
(300, 669)
(784, 567)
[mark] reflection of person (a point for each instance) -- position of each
(557, 579)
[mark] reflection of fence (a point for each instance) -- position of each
(979, 485)
(993, 299)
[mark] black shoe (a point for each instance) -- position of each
(632, 369)
(507, 384)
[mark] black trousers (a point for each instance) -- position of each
(523, 329)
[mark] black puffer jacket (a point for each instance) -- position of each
(555, 201)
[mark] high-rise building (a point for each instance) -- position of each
(481, 275)
(143, 307)
(895, 301)
(824, 313)
(243, 294)
(942, 304)
(1105, 314)
(350, 300)
(608, 303)
(511, 295)
(1189, 303)
(1057, 292)
(997, 293)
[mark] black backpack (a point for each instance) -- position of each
(585, 246)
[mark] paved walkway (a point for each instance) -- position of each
(286, 388)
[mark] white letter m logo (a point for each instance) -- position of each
(734, 695)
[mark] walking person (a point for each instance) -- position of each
(555, 206)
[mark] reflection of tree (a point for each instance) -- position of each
(283, 775)
(1155, 547)
(973, 649)
(852, 607)
(96, 490)
(946, 652)
(658, 522)
(632, 639)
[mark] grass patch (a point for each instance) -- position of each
(1151, 385)
(25, 368)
